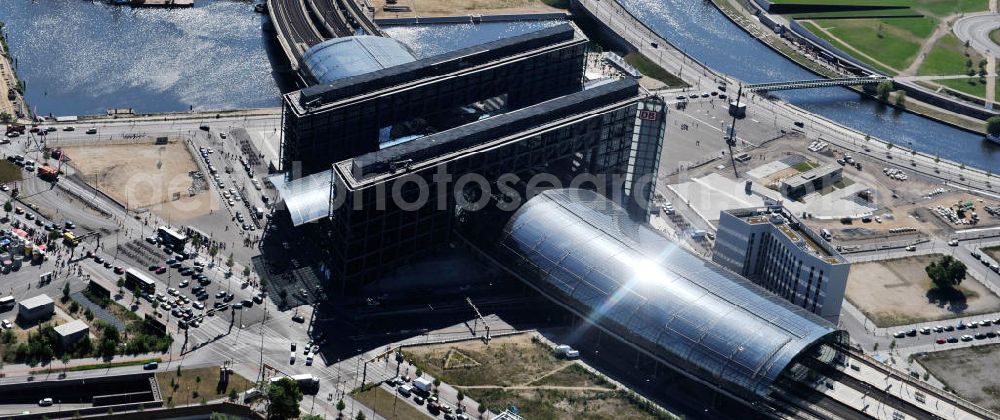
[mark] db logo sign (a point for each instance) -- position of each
(647, 115)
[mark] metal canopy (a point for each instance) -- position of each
(307, 198)
(585, 252)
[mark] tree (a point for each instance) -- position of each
(311, 417)
(65, 292)
(121, 285)
(419, 372)
(8, 207)
(883, 90)
(901, 98)
(482, 410)
(437, 383)
(946, 273)
(340, 408)
(229, 262)
(361, 416)
(992, 128)
(284, 396)
(246, 271)
(460, 396)
(6, 117)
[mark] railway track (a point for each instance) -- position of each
(874, 392)
(331, 18)
(360, 18)
(296, 31)
(973, 409)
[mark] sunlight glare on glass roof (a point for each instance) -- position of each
(307, 198)
(588, 254)
(338, 58)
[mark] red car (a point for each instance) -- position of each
(940, 341)
(161, 270)
(119, 270)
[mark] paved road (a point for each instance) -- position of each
(975, 29)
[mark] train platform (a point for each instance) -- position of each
(923, 397)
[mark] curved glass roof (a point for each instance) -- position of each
(585, 251)
(338, 58)
(307, 199)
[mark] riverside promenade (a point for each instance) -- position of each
(615, 18)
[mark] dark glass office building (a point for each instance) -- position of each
(391, 206)
(364, 113)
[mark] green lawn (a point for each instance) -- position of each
(652, 70)
(386, 405)
(948, 58)
(894, 42)
(942, 8)
(855, 14)
(193, 386)
(970, 86)
(812, 27)
(803, 166)
(847, 2)
(938, 8)
(9, 172)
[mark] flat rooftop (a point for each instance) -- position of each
(811, 175)
(319, 97)
(37, 301)
(791, 227)
(73, 327)
(371, 167)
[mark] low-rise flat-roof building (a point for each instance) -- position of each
(36, 308)
(815, 179)
(772, 248)
(71, 332)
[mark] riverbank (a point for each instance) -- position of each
(749, 23)
(624, 27)
(11, 88)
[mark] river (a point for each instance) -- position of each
(83, 57)
(80, 57)
(698, 28)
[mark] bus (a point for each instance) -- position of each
(70, 239)
(6, 302)
(171, 238)
(135, 279)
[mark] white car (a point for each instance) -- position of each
(45, 402)
(291, 358)
(953, 242)
(6, 324)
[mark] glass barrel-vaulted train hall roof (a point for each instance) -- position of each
(586, 253)
(339, 58)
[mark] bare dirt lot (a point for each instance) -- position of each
(898, 292)
(515, 370)
(479, 7)
(993, 252)
(142, 175)
(971, 372)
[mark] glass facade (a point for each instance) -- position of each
(585, 252)
(376, 227)
(315, 137)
